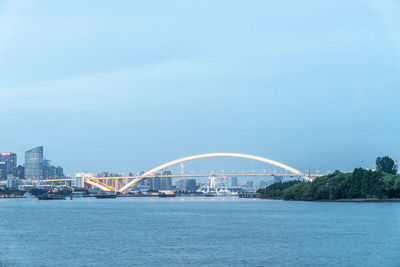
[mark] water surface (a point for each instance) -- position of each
(197, 231)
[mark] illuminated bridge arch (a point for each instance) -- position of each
(167, 165)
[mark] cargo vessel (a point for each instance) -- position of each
(51, 197)
(106, 196)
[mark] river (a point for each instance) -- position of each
(185, 231)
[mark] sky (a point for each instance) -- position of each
(129, 85)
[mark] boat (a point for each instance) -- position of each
(51, 197)
(167, 193)
(106, 196)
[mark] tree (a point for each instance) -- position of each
(390, 186)
(355, 182)
(275, 190)
(298, 191)
(386, 164)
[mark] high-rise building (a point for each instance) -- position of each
(3, 170)
(10, 160)
(187, 185)
(59, 173)
(19, 172)
(166, 182)
(34, 163)
(49, 171)
(160, 183)
(154, 183)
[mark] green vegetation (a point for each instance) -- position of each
(386, 164)
(381, 184)
(275, 191)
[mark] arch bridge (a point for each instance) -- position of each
(135, 180)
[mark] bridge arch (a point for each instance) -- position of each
(97, 185)
(167, 165)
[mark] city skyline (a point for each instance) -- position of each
(313, 85)
(137, 169)
(37, 167)
(199, 133)
(34, 167)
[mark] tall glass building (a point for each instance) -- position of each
(34, 163)
(3, 171)
(10, 161)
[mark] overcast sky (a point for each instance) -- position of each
(128, 85)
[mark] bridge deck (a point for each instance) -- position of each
(182, 176)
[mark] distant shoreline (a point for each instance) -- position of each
(343, 200)
(359, 200)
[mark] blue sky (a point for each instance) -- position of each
(129, 85)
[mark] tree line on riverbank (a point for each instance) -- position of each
(382, 183)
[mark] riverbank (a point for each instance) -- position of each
(358, 186)
(359, 200)
(343, 200)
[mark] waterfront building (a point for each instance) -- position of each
(12, 182)
(19, 172)
(181, 184)
(49, 172)
(187, 185)
(212, 181)
(10, 160)
(217, 181)
(160, 183)
(154, 183)
(166, 182)
(34, 163)
(59, 173)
